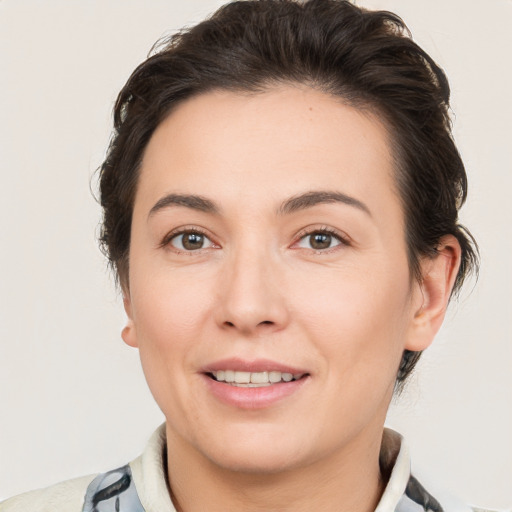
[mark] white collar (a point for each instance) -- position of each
(403, 493)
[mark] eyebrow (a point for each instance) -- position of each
(192, 201)
(295, 203)
(310, 199)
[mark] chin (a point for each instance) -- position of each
(256, 463)
(257, 454)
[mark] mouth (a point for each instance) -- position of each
(244, 379)
(254, 384)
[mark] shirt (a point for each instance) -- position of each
(141, 486)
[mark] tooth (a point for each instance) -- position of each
(242, 377)
(274, 377)
(259, 377)
(254, 379)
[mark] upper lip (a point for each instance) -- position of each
(253, 366)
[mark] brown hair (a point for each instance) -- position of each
(366, 58)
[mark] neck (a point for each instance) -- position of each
(346, 480)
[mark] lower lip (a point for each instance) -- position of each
(253, 398)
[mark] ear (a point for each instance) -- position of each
(129, 333)
(433, 293)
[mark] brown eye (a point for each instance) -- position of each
(320, 240)
(190, 241)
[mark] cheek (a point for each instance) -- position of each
(356, 318)
(170, 317)
(169, 305)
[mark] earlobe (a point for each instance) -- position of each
(438, 277)
(128, 334)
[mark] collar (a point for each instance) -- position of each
(141, 486)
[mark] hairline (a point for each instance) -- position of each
(364, 104)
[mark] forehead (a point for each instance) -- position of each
(269, 145)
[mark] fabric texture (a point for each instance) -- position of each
(141, 486)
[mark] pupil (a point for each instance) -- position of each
(193, 241)
(320, 241)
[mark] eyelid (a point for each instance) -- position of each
(342, 237)
(181, 230)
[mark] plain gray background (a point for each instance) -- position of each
(72, 395)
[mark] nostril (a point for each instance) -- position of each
(247, 326)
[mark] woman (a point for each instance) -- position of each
(280, 207)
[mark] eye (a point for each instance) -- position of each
(190, 241)
(320, 240)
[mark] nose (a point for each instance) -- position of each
(252, 298)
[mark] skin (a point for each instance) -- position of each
(258, 288)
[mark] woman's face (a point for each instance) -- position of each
(268, 243)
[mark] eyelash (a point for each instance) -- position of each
(324, 230)
(184, 231)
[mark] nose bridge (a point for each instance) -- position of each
(250, 295)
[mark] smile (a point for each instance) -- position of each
(254, 384)
(253, 379)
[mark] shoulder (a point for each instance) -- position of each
(477, 509)
(404, 491)
(67, 496)
(111, 491)
(114, 490)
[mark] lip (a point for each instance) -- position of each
(253, 398)
(258, 365)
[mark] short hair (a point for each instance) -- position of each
(367, 59)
